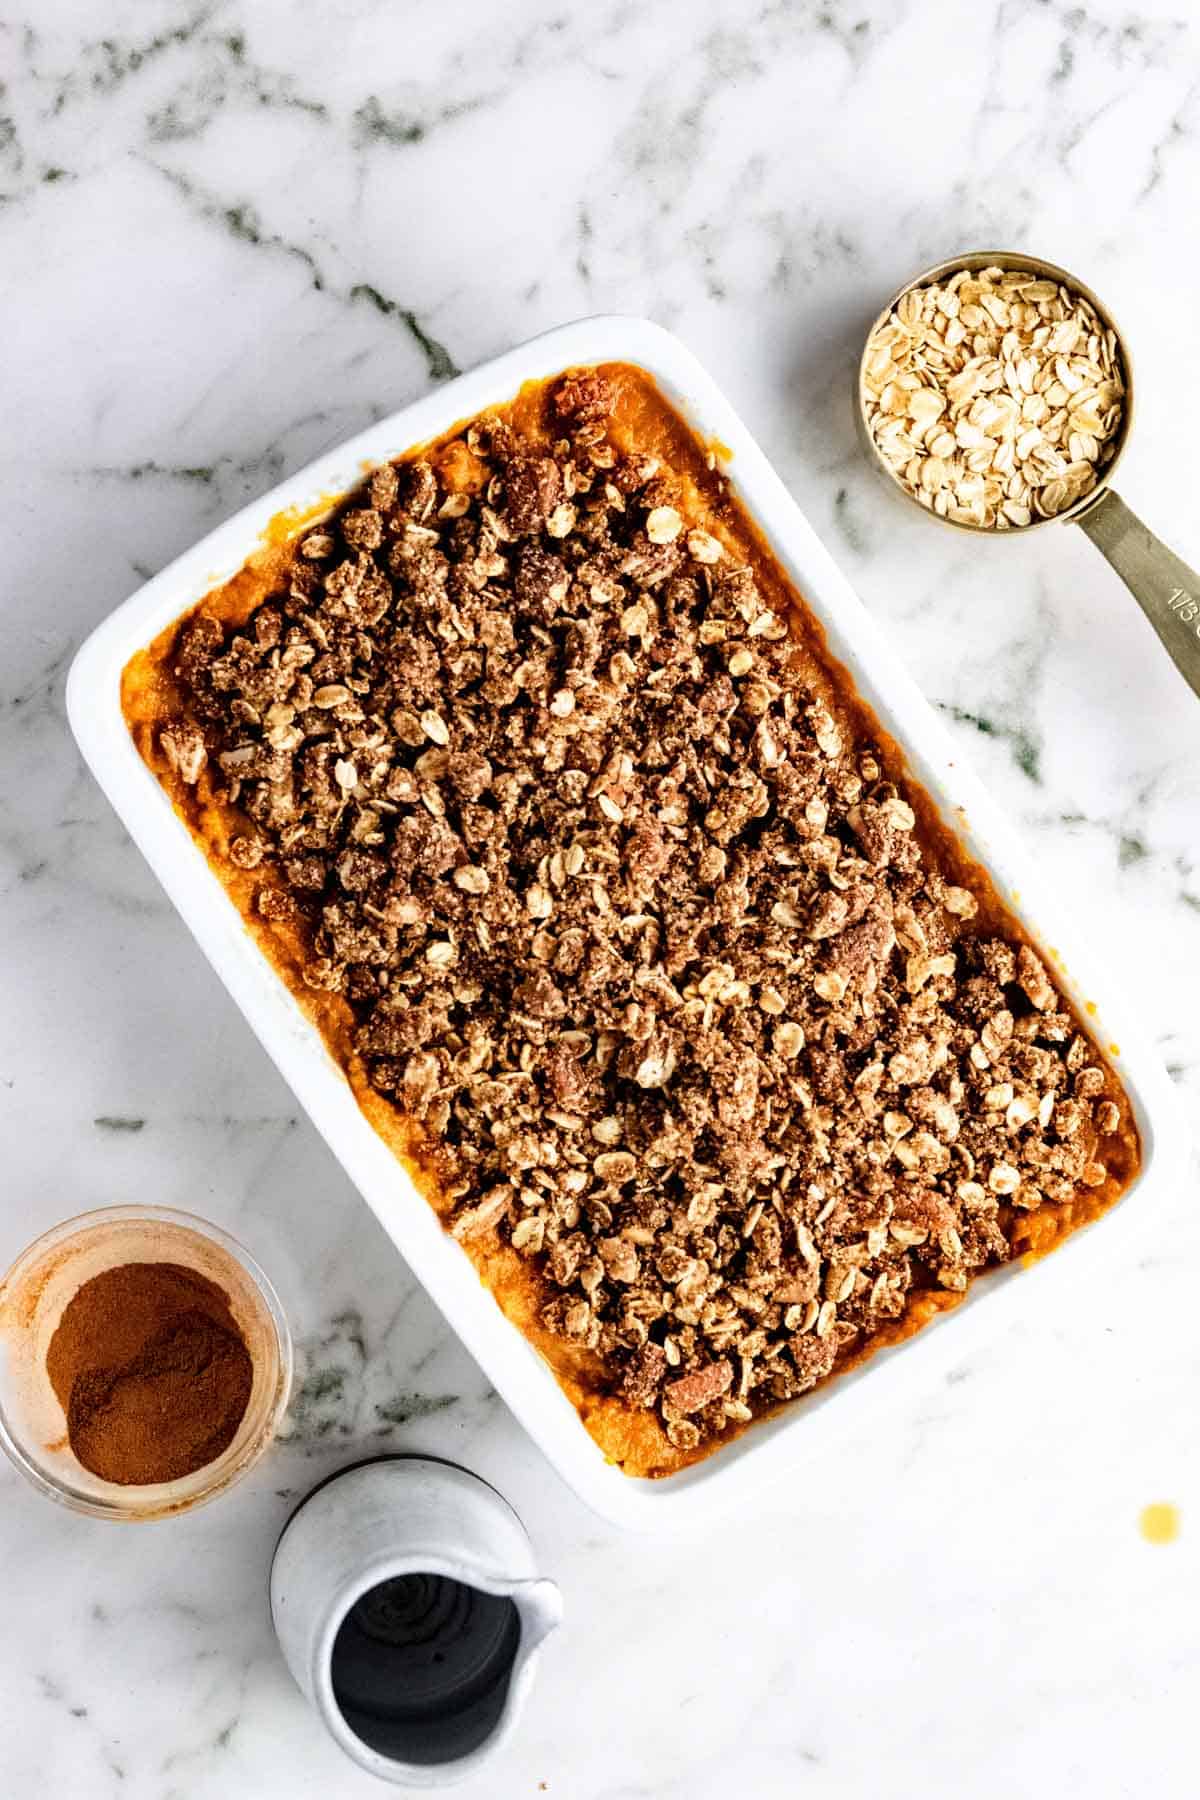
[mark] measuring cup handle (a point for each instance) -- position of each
(1167, 591)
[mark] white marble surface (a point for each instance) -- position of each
(231, 234)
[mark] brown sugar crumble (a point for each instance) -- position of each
(718, 1055)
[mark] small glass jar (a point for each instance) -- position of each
(33, 1297)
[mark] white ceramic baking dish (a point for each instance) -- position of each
(801, 1434)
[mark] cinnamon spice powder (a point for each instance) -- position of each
(152, 1372)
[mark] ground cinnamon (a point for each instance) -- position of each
(152, 1372)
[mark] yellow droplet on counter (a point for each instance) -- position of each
(1114, 1049)
(1159, 1522)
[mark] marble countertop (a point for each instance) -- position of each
(232, 234)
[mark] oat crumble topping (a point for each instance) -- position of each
(633, 918)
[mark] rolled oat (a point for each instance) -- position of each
(994, 397)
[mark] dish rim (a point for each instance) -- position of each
(741, 1468)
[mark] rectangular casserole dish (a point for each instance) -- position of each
(518, 1372)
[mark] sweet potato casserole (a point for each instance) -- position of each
(535, 780)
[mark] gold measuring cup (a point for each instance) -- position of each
(1163, 585)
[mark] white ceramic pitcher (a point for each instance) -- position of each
(409, 1611)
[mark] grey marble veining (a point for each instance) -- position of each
(233, 234)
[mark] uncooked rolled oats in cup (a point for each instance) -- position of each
(994, 396)
(995, 391)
